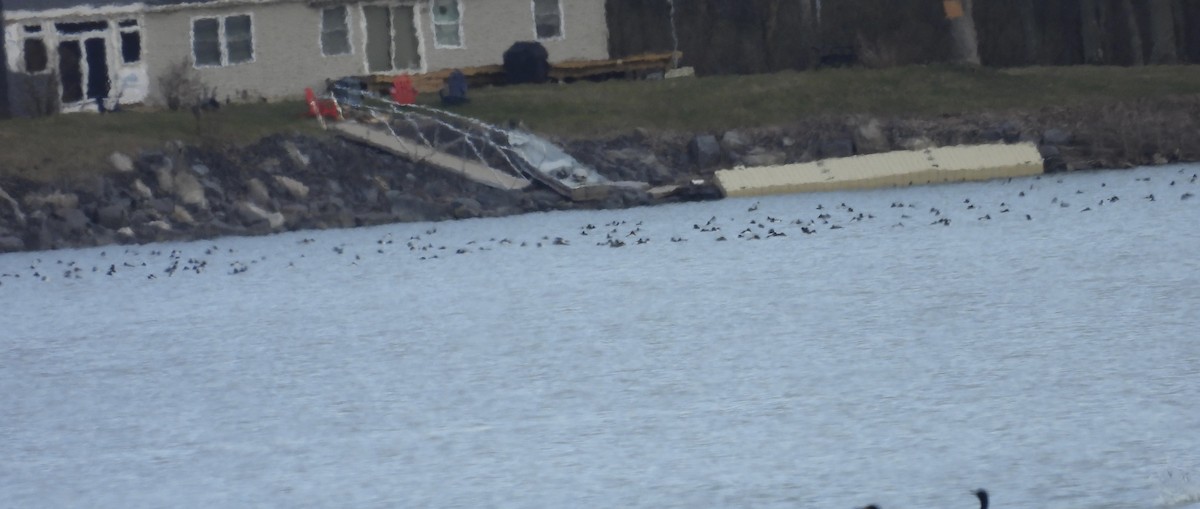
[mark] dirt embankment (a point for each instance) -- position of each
(293, 182)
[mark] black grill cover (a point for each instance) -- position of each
(527, 62)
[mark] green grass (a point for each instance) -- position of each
(60, 146)
(50, 148)
(724, 102)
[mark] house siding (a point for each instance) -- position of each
(287, 51)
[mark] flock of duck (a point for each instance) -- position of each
(1024, 200)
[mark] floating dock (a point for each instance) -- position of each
(891, 169)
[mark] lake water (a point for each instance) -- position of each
(1042, 346)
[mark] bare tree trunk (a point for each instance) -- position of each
(1033, 36)
(1162, 24)
(1135, 33)
(962, 28)
(809, 25)
(1093, 51)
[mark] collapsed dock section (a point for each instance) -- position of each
(891, 169)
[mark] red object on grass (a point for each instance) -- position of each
(327, 108)
(403, 91)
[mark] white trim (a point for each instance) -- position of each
(349, 33)
(562, 22)
(222, 40)
(433, 24)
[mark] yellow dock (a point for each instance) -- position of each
(891, 169)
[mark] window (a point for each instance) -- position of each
(222, 41)
(35, 55)
(335, 31)
(131, 41)
(81, 27)
(447, 24)
(239, 39)
(131, 47)
(547, 19)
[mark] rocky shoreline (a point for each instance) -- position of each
(294, 182)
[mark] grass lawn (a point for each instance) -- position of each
(55, 147)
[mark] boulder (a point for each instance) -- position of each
(734, 141)
(1055, 136)
(165, 178)
(839, 147)
(189, 191)
(917, 143)
(141, 190)
(182, 216)
(76, 221)
(12, 204)
(120, 162)
(162, 205)
(870, 138)
(297, 156)
(125, 233)
(763, 157)
(9, 244)
(258, 193)
(114, 215)
(294, 187)
(57, 200)
(464, 208)
(704, 150)
(252, 215)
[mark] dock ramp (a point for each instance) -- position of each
(418, 152)
(891, 169)
(508, 159)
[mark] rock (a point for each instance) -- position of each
(141, 190)
(917, 143)
(125, 232)
(252, 215)
(294, 214)
(840, 147)
(166, 179)
(1159, 159)
(734, 141)
(704, 150)
(297, 156)
(9, 244)
(1056, 136)
(120, 162)
(869, 138)
(1049, 151)
(182, 216)
(763, 157)
(160, 225)
(13, 205)
(57, 200)
(463, 208)
(294, 187)
(189, 191)
(113, 216)
(162, 205)
(200, 169)
(258, 193)
(76, 221)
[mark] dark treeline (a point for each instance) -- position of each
(752, 36)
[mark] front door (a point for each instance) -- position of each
(392, 43)
(83, 70)
(98, 82)
(70, 71)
